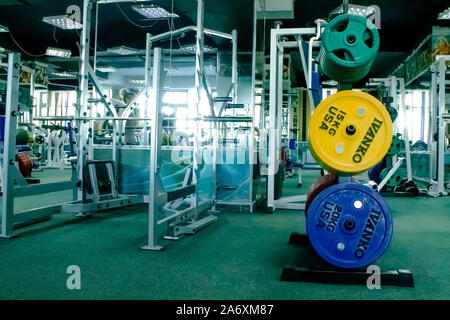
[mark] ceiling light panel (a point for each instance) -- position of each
(171, 69)
(192, 48)
(152, 11)
(64, 74)
(123, 51)
(63, 22)
(444, 15)
(3, 29)
(137, 81)
(356, 10)
(106, 69)
(56, 52)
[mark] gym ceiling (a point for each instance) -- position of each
(404, 24)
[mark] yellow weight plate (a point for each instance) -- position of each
(350, 132)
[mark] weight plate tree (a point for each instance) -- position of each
(348, 224)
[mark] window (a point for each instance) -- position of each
(416, 116)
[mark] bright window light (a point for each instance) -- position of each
(203, 108)
(64, 74)
(444, 15)
(106, 69)
(171, 69)
(182, 123)
(172, 97)
(135, 81)
(63, 22)
(123, 51)
(168, 111)
(152, 11)
(3, 29)
(191, 48)
(56, 52)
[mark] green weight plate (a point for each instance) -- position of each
(394, 180)
(349, 47)
(396, 146)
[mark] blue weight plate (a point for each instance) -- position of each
(374, 172)
(349, 225)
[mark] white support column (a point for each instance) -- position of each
(234, 65)
(198, 87)
(84, 87)
(442, 68)
(9, 150)
(153, 211)
(252, 155)
(148, 48)
(273, 142)
(402, 93)
(433, 120)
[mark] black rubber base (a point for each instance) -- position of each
(33, 181)
(398, 194)
(400, 278)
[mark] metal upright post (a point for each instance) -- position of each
(433, 121)
(234, 64)
(252, 156)
(148, 47)
(401, 82)
(153, 210)
(393, 90)
(115, 151)
(9, 151)
(198, 85)
(273, 142)
(279, 104)
(442, 68)
(84, 87)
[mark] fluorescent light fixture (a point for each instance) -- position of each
(152, 11)
(444, 15)
(64, 74)
(171, 68)
(356, 10)
(63, 22)
(56, 52)
(136, 81)
(106, 69)
(3, 29)
(123, 51)
(192, 48)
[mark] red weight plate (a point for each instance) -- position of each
(25, 164)
(321, 184)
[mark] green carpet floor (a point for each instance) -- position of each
(240, 257)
